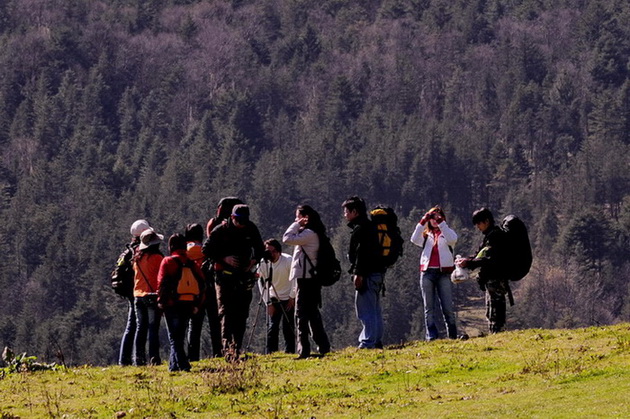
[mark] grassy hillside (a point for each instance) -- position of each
(531, 373)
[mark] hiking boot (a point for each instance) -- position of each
(496, 329)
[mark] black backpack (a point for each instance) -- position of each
(519, 252)
(123, 274)
(389, 237)
(328, 269)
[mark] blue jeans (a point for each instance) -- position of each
(126, 344)
(147, 323)
(437, 289)
(177, 318)
(368, 308)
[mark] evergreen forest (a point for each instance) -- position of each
(115, 110)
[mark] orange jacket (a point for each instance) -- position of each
(147, 267)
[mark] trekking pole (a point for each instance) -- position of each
(251, 334)
(268, 284)
(261, 302)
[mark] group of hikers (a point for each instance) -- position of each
(214, 278)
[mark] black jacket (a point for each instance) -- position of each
(227, 240)
(491, 257)
(364, 253)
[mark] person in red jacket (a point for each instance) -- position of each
(180, 295)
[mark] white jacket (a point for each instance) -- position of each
(304, 241)
(446, 238)
(282, 288)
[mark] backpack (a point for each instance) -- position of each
(123, 274)
(188, 286)
(389, 237)
(519, 252)
(328, 269)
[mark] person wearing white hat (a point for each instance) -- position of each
(122, 283)
(146, 264)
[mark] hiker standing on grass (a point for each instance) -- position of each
(436, 239)
(235, 247)
(304, 234)
(491, 260)
(367, 270)
(278, 293)
(210, 307)
(180, 295)
(146, 265)
(194, 239)
(124, 281)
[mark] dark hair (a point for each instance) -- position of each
(275, 244)
(354, 203)
(481, 215)
(176, 242)
(194, 233)
(428, 227)
(314, 220)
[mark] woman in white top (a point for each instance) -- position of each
(436, 239)
(304, 234)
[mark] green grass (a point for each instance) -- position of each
(530, 373)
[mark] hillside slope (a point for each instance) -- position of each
(530, 373)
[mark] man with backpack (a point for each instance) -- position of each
(210, 308)
(367, 270)
(235, 247)
(491, 259)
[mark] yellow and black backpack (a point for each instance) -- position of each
(389, 237)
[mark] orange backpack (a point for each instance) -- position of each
(188, 288)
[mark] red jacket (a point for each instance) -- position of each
(169, 275)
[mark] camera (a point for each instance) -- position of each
(267, 256)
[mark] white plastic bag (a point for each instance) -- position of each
(459, 274)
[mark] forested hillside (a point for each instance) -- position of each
(116, 110)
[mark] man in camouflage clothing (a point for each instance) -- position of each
(491, 261)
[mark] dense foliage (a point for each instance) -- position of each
(115, 110)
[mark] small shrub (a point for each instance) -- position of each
(22, 363)
(236, 375)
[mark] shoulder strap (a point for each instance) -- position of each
(144, 276)
(306, 258)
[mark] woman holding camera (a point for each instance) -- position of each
(436, 239)
(305, 235)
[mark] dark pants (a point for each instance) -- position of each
(234, 295)
(209, 309)
(309, 319)
(496, 305)
(147, 323)
(177, 318)
(126, 344)
(281, 316)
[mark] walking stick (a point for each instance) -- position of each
(251, 334)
